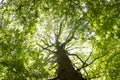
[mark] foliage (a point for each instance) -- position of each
(28, 26)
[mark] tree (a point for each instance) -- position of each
(59, 39)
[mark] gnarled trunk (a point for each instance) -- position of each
(66, 70)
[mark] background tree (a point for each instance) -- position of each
(59, 39)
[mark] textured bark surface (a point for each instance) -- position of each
(66, 70)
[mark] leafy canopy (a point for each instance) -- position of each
(26, 26)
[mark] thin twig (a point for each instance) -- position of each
(45, 48)
(94, 60)
(75, 48)
(89, 55)
(77, 57)
(85, 71)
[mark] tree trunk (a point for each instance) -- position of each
(66, 70)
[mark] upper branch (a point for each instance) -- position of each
(70, 37)
(58, 32)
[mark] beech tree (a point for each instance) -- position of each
(59, 39)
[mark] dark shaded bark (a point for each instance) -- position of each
(66, 70)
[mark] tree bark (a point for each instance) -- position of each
(66, 70)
